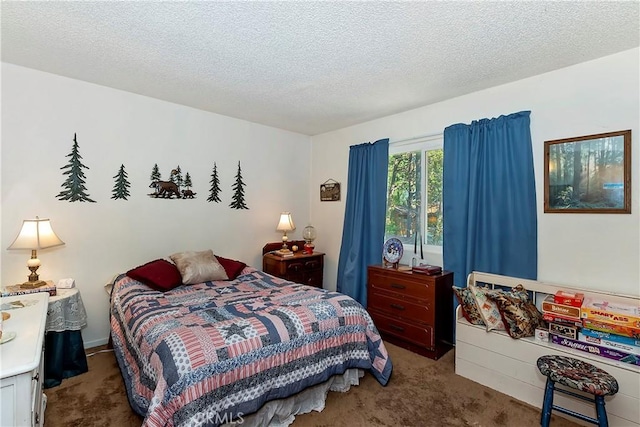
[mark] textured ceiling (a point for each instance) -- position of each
(311, 67)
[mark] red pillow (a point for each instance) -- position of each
(232, 267)
(160, 275)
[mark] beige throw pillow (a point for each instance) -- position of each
(198, 267)
(488, 308)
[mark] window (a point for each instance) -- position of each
(414, 192)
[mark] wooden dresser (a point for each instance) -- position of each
(414, 311)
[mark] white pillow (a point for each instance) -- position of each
(198, 267)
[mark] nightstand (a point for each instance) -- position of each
(64, 355)
(300, 268)
(21, 371)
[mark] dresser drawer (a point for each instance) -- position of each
(417, 333)
(300, 268)
(314, 278)
(408, 287)
(401, 308)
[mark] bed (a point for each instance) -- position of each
(212, 353)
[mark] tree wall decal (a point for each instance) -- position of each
(121, 187)
(187, 181)
(74, 188)
(176, 176)
(155, 177)
(188, 193)
(214, 195)
(155, 173)
(238, 194)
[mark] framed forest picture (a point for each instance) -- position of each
(588, 174)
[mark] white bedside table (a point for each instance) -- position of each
(22, 402)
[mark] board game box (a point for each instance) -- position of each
(631, 349)
(611, 328)
(563, 330)
(612, 337)
(573, 299)
(563, 320)
(550, 306)
(597, 350)
(611, 312)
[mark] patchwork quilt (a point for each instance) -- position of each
(206, 354)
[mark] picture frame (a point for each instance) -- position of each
(599, 166)
(330, 191)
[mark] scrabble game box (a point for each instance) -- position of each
(597, 350)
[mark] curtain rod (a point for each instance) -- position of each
(413, 138)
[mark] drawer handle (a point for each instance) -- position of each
(36, 377)
(397, 306)
(295, 267)
(311, 264)
(397, 328)
(396, 286)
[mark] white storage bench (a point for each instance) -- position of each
(508, 365)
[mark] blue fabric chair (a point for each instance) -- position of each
(579, 375)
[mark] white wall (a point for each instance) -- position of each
(596, 251)
(40, 114)
(41, 111)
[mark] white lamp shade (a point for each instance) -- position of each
(36, 234)
(286, 222)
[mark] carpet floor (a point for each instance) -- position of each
(421, 392)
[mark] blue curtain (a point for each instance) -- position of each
(489, 198)
(365, 213)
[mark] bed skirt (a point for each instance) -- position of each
(282, 412)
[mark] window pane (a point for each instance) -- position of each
(403, 196)
(434, 197)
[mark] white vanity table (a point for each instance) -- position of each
(21, 360)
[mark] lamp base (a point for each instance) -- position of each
(32, 285)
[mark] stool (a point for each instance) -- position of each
(579, 375)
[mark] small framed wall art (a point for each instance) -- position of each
(588, 174)
(330, 191)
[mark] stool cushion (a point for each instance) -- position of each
(577, 374)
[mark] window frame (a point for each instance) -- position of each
(422, 144)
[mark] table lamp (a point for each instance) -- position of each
(35, 234)
(285, 224)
